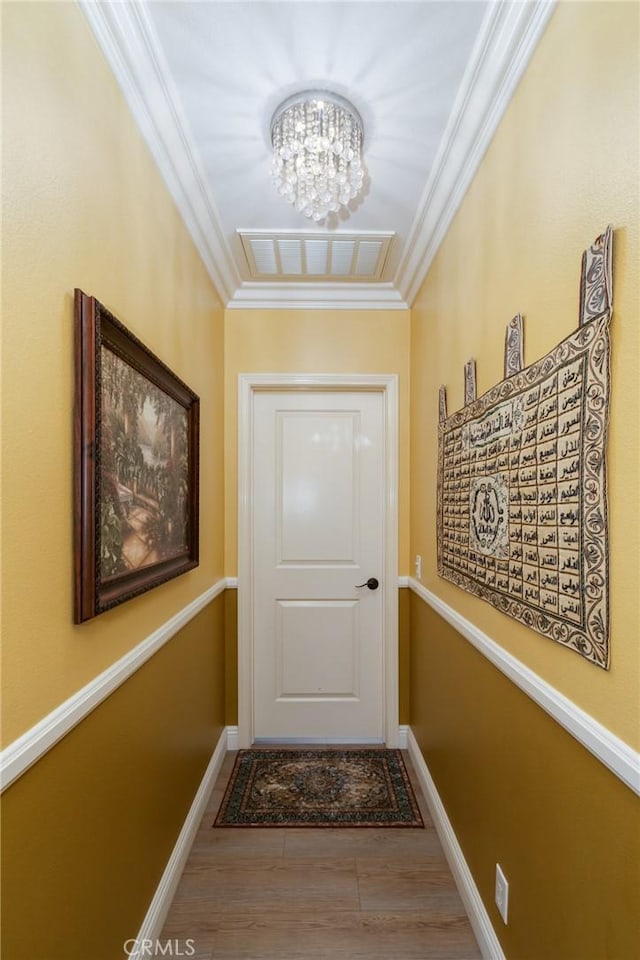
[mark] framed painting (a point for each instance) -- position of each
(136, 465)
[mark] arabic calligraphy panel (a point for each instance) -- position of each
(522, 494)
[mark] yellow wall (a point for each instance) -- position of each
(94, 821)
(563, 165)
(231, 657)
(88, 830)
(518, 789)
(521, 792)
(314, 341)
(84, 207)
(404, 662)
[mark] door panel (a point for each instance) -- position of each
(318, 514)
(317, 649)
(316, 465)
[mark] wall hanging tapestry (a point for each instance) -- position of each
(319, 788)
(136, 465)
(522, 510)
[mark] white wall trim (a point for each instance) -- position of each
(232, 738)
(507, 39)
(613, 752)
(403, 736)
(248, 384)
(157, 913)
(126, 35)
(478, 917)
(35, 742)
(317, 296)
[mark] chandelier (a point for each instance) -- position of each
(317, 152)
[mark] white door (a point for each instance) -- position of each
(318, 490)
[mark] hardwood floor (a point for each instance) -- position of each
(311, 893)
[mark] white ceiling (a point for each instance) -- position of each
(430, 78)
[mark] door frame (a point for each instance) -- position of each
(387, 385)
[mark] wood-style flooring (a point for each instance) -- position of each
(341, 893)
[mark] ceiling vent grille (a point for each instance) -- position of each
(286, 255)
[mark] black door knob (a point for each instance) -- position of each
(372, 583)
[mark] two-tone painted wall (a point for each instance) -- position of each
(518, 789)
(312, 342)
(88, 829)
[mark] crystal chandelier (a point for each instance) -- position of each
(317, 152)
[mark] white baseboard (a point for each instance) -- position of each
(156, 914)
(233, 742)
(478, 916)
(403, 736)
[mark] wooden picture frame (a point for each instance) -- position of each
(136, 439)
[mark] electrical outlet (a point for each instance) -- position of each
(418, 563)
(502, 893)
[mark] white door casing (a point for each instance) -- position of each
(323, 585)
(317, 499)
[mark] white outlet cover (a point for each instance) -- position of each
(502, 893)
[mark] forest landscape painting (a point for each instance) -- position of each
(136, 465)
(144, 475)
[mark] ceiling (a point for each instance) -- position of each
(430, 79)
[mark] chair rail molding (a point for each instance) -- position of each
(35, 742)
(614, 753)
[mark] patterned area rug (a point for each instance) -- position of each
(319, 788)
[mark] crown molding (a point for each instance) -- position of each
(508, 37)
(127, 39)
(317, 296)
(509, 34)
